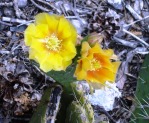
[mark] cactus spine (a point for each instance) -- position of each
(79, 111)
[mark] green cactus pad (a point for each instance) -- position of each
(48, 107)
(64, 77)
(76, 113)
(40, 114)
(141, 113)
(79, 111)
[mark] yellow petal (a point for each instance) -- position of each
(86, 64)
(116, 66)
(53, 61)
(37, 55)
(108, 52)
(43, 29)
(80, 73)
(66, 64)
(96, 49)
(85, 49)
(32, 55)
(38, 45)
(73, 36)
(29, 32)
(34, 33)
(50, 20)
(64, 29)
(68, 50)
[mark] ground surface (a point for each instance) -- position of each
(122, 24)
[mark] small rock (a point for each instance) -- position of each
(9, 34)
(22, 3)
(105, 96)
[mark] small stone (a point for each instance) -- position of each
(9, 34)
(22, 3)
(88, 2)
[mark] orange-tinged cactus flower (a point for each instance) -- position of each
(52, 40)
(95, 65)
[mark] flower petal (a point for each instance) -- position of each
(32, 33)
(85, 49)
(64, 29)
(102, 75)
(108, 52)
(51, 21)
(80, 73)
(68, 51)
(38, 45)
(104, 60)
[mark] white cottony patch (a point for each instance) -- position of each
(105, 97)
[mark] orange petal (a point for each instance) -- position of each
(104, 61)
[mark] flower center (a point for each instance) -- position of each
(53, 43)
(95, 64)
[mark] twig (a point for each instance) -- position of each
(126, 43)
(50, 5)
(141, 50)
(139, 39)
(25, 23)
(4, 52)
(18, 12)
(8, 24)
(101, 109)
(13, 20)
(74, 17)
(76, 14)
(136, 21)
(134, 14)
(6, 4)
(40, 7)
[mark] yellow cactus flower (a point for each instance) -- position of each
(52, 41)
(95, 65)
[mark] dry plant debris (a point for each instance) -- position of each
(123, 24)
